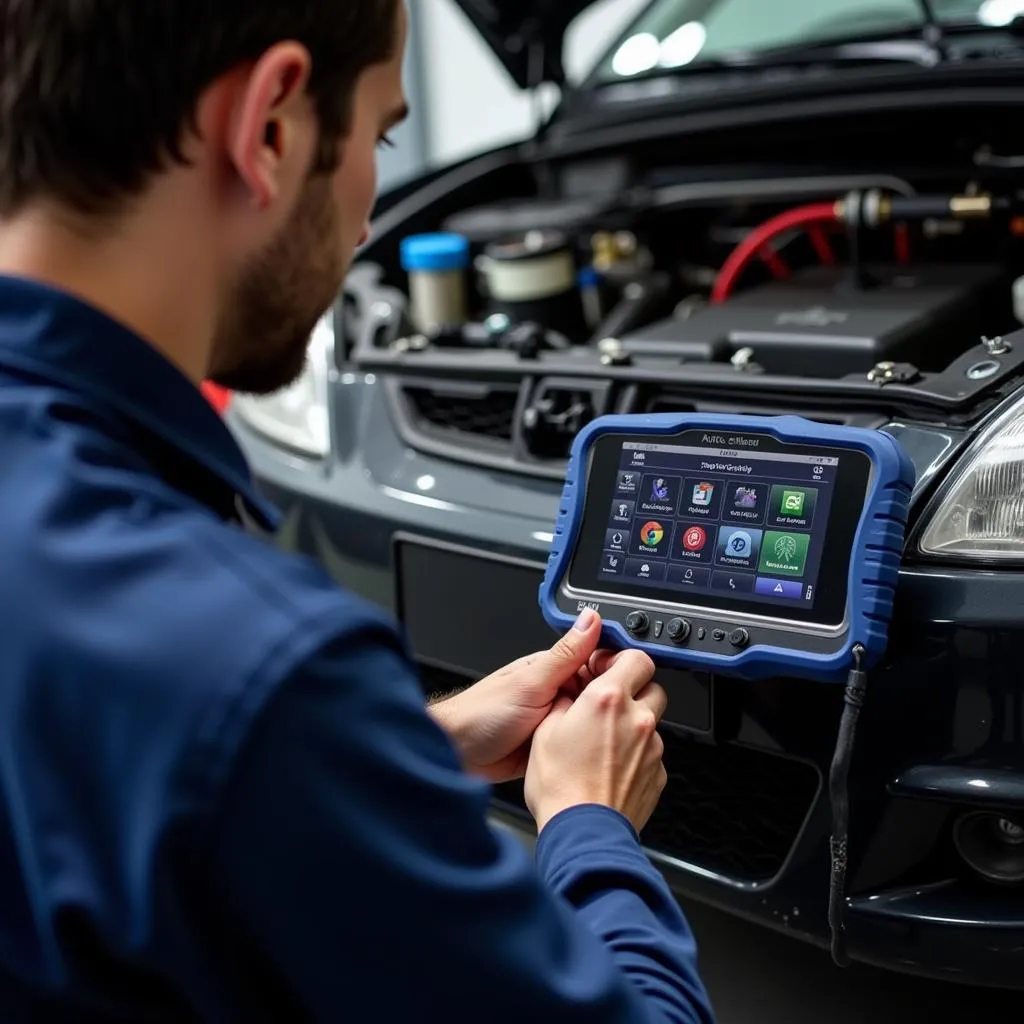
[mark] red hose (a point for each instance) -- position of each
(747, 250)
(774, 262)
(821, 245)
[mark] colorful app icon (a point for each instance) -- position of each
(659, 490)
(739, 545)
(695, 538)
(792, 503)
(703, 493)
(652, 534)
(785, 553)
(745, 497)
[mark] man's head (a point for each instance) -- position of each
(256, 121)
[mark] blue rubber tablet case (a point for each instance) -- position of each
(773, 547)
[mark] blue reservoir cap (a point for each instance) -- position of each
(438, 253)
(589, 277)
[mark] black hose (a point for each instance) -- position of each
(839, 777)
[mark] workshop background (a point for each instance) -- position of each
(754, 976)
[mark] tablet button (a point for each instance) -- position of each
(679, 631)
(638, 623)
(739, 638)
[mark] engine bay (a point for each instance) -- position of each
(845, 292)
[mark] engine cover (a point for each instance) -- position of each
(819, 324)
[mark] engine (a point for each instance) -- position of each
(501, 328)
(808, 291)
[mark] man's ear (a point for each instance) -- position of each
(272, 129)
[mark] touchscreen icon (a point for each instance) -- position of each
(740, 545)
(659, 490)
(652, 534)
(695, 538)
(746, 497)
(785, 547)
(792, 503)
(703, 493)
(785, 553)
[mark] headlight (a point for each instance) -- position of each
(979, 514)
(297, 417)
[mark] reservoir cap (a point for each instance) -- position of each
(435, 253)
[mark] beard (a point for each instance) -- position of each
(261, 341)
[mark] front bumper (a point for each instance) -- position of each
(744, 823)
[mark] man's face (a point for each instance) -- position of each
(284, 290)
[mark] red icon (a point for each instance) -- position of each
(695, 538)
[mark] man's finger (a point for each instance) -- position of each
(655, 697)
(601, 661)
(632, 669)
(562, 704)
(571, 652)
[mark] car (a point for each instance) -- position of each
(800, 209)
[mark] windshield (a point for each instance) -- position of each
(672, 34)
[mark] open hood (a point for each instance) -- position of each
(521, 31)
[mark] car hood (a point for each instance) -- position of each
(520, 31)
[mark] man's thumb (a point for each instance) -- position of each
(572, 651)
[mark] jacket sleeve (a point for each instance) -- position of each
(356, 855)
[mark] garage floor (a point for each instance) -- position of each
(757, 977)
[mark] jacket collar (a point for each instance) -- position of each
(61, 339)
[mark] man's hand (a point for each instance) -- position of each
(604, 747)
(493, 722)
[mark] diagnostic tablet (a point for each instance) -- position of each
(751, 546)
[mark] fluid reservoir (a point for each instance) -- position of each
(533, 278)
(436, 265)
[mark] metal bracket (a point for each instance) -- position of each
(893, 373)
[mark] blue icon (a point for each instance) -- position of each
(788, 590)
(659, 490)
(740, 545)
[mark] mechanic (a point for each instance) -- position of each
(221, 795)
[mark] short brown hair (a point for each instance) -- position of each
(97, 95)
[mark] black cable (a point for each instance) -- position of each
(839, 777)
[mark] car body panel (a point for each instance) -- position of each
(513, 28)
(948, 696)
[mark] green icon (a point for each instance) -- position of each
(784, 553)
(792, 503)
